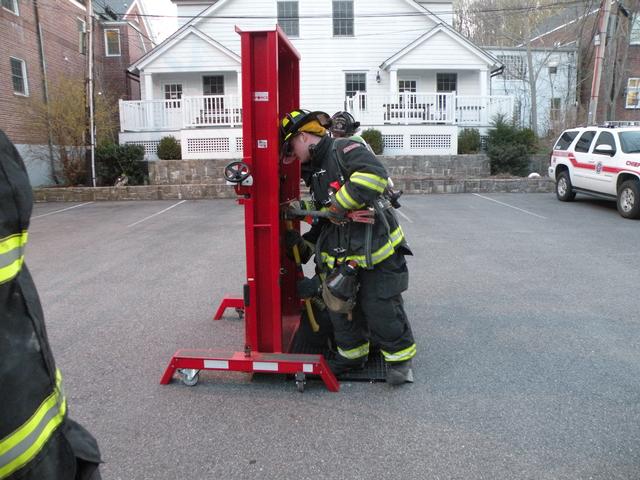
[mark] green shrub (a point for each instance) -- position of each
(113, 160)
(509, 148)
(374, 138)
(469, 141)
(169, 149)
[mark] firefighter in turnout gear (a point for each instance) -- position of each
(37, 439)
(363, 264)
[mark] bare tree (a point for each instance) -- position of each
(65, 115)
(525, 24)
(615, 65)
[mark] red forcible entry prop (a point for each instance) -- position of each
(270, 89)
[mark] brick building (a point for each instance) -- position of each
(577, 27)
(44, 41)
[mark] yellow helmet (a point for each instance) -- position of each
(293, 122)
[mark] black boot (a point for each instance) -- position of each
(399, 373)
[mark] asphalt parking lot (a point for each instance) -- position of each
(525, 309)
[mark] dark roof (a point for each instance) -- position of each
(110, 8)
(564, 16)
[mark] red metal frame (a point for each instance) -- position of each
(228, 302)
(270, 88)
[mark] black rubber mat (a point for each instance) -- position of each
(375, 369)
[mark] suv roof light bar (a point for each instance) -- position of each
(620, 123)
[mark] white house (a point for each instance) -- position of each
(397, 65)
(554, 70)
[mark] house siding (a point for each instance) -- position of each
(192, 54)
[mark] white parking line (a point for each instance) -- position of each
(404, 216)
(510, 206)
(63, 210)
(158, 213)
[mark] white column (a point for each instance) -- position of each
(148, 86)
(393, 82)
(484, 102)
(484, 82)
(148, 95)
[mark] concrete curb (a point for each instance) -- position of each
(410, 185)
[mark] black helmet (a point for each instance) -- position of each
(343, 124)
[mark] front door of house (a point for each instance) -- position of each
(407, 96)
(213, 102)
(445, 83)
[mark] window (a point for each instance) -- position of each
(356, 82)
(553, 70)
(446, 82)
(407, 90)
(288, 18)
(173, 91)
(407, 86)
(630, 142)
(213, 85)
(517, 112)
(556, 109)
(584, 142)
(606, 138)
(343, 19)
(633, 89)
(82, 35)
(565, 140)
(634, 38)
(514, 66)
(19, 77)
(11, 5)
(112, 42)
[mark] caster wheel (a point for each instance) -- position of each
(190, 376)
(240, 312)
(301, 381)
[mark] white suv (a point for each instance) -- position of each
(599, 161)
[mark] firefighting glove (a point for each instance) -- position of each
(309, 287)
(337, 214)
(293, 238)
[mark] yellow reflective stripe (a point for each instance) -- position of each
(13, 241)
(355, 353)
(401, 356)
(12, 255)
(380, 255)
(21, 446)
(370, 181)
(346, 201)
(11, 271)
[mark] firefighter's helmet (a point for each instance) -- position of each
(343, 124)
(293, 122)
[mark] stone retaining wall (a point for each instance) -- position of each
(409, 185)
(210, 172)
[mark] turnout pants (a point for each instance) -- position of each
(378, 317)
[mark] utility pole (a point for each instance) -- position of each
(92, 129)
(605, 11)
(45, 88)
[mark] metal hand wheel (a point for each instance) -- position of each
(236, 172)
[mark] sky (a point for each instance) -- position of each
(162, 27)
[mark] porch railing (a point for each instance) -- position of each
(427, 108)
(212, 110)
(176, 114)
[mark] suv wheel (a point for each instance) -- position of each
(629, 199)
(564, 190)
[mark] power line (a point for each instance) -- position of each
(548, 6)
